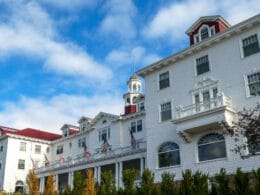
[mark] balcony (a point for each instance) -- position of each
(208, 115)
(95, 157)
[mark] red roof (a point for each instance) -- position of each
(33, 133)
(72, 131)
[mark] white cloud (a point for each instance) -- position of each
(30, 31)
(70, 5)
(52, 113)
(119, 19)
(137, 56)
(172, 21)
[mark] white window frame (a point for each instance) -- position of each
(241, 43)
(158, 80)
(107, 131)
(247, 84)
(37, 149)
(195, 65)
(23, 146)
(21, 164)
(159, 108)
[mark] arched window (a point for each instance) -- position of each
(134, 99)
(211, 146)
(19, 186)
(169, 154)
(134, 88)
(204, 33)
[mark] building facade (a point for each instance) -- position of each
(175, 126)
(190, 93)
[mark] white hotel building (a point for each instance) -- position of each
(176, 126)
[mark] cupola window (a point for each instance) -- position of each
(204, 33)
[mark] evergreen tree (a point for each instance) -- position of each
(147, 182)
(129, 176)
(222, 183)
(107, 183)
(167, 184)
(50, 188)
(257, 181)
(33, 183)
(78, 184)
(67, 191)
(90, 183)
(241, 182)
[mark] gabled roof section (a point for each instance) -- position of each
(32, 133)
(174, 58)
(103, 115)
(207, 19)
(83, 119)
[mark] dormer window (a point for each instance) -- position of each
(204, 33)
(83, 127)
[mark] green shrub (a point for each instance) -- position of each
(167, 184)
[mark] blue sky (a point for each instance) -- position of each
(62, 59)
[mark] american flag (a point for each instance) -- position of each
(105, 146)
(133, 141)
(86, 152)
(61, 159)
(47, 162)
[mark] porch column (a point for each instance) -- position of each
(141, 165)
(57, 182)
(99, 174)
(120, 169)
(71, 177)
(42, 182)
(117, 174)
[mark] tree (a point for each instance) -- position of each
(241, 182)
(90, 183)
(129, 176)
(222, 183)
(78, 184)
(50, 188)
(33, 183)
(147, 182)
(107, 183)
(248, 127)
(167, 184)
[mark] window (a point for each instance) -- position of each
(164, 80)
(169, 154)
(133, 127)
(202, 65)
(139, 125)
(104, 134)
(141, 106)
(83, 127)
(47, 150)
(1, 148)
(253, 81)
(0, 164)
(22, 146)
(37, 149)
(166, 111)
(250, 45)
(204, 33)
(59, 149)
(136, 126)
(21, 164)
(211, 146)
(82, 142)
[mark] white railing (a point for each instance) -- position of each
(214, 103)
(82, 158)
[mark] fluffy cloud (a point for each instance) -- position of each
(137, 56)
(51, 114)
(30, 31)
(119, 19)
(172, 21)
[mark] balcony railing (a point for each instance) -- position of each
(201, 107)
(97, 156)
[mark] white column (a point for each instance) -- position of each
(99, 174)
(57, 182)
(71, 177)
(120, 169)
(117, 175)
(141, 166)
(42, 182)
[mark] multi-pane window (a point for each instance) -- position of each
(37, 149)
(1, 148)
(164, 80)
(82, 142)
(22, 146)
(202, 64)
(136, 126)
(250, 45)
(59, 149)
(166, 111)
(204, 33)
(133, 127)
(211, 146)
(169, 154)
(21, 164)
(104, 134)
(253, 81)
